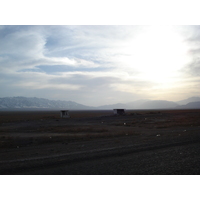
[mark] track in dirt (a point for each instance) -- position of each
(42, 164)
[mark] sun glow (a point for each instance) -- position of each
(157, 54)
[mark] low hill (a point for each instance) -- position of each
(191, 105)
(189, 100)
(158, 104)
(143, 104)
(112, 106)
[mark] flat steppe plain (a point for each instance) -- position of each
(141, 142)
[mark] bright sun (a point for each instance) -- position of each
(157, 54)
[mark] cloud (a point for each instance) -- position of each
(100, 63)
(192, 40)
(25, 47)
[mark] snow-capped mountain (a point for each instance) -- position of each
(38, 103)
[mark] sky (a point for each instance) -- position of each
(100, 64)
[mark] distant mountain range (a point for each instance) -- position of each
(39, 103)
(34, 103)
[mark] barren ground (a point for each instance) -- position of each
(97, 142)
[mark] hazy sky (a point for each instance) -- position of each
(97, 65)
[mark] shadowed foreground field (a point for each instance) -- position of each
(98, 142)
